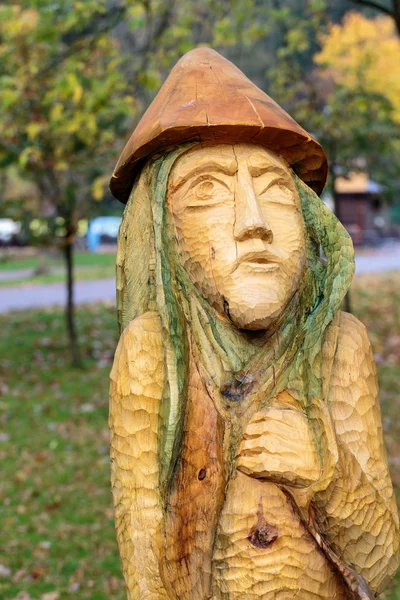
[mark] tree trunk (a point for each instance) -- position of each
(396, 12)
(42, 266)
(69, 308)
(332, 177)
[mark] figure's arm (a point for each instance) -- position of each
(137, 380)
(357, 513)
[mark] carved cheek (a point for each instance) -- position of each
(289, 239)
(207, 244)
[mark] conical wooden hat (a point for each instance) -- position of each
(207, 99)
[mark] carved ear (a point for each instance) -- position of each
(135, 288)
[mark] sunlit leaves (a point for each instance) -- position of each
(333, 99)
(63, 97)
(367, 49)
(98, 187)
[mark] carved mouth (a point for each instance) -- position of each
(261, 261)
(259, 258)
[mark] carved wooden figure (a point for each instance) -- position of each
(246, 438)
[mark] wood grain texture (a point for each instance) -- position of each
(137, 380)
(196, 497)
(278, 445)
(266, 545)
(263, 550)
(357, 512)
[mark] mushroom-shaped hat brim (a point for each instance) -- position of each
(207, 99)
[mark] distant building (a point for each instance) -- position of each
(361, 208)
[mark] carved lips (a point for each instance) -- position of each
(265, 261)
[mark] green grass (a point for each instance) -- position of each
(57, 519)
(81, 274)
(54, 259)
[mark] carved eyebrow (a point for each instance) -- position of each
(278, 177)
(257, 171)
(228, 168)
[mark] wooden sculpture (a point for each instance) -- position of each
(246, 439)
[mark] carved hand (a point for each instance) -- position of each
(279, 445)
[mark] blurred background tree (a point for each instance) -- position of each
(339, 95)
(64, 102)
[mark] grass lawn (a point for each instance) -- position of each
(57, 536)
(81, 274)
(87, 266)
(55, 259)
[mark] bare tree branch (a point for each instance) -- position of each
(394, 12)
(375, 5)
(104, 23)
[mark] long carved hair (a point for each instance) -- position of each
(245, 372)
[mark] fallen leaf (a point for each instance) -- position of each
(23, 596)
(5, 571)
(51, 596)
(38, 572)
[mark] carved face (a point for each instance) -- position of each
(240, 230)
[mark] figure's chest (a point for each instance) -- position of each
(236, 532)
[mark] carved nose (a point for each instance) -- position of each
(249, 222)
(262, 232)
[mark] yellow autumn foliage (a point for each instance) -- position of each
(19, 22)
(366, 50)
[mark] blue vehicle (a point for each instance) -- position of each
(102, 230)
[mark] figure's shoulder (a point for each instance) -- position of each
(353, 345)
(349, 325)
(354, 377)
(140, 347)
(147, 323)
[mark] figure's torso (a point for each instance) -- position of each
(241, 539)
(231, 536)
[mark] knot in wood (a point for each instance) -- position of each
(262, 535)
(239, 389)
(202, 474)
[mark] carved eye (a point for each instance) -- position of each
(208, 191)
(205, 189)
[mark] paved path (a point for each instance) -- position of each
(31, 296)
(26, 273)
(387, 259)
(17, 274)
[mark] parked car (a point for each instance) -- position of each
(9, 232)
(102, 230)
